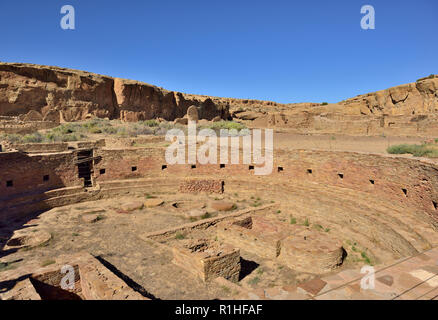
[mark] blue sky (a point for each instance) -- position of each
(285, 51)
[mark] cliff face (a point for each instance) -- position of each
(55, 94)
(410, 109)
(420, 97)
(36, 93)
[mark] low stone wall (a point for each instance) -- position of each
(254, 234)
(92, 281)
(162, 235)
(41, 147)
(25, 127)
(297, 247)
(207, 259)
(308, 251)
(22, 173)
(410, 181)
(91, 144)
(195, 186)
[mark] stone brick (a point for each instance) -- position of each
(195, 186)
(207, 259)
(312, 287)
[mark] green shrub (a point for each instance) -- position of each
(365, 257)
(306, 223)
(12, 138)
(324, 103)
(254, 281)
(416, 150)
(179, 236)
(431, 76)
(109, 130)
(150, 123)
(47, 262)
(32, 138)
(229, 125)
(206, 215)
(95, 130)
(4, 266)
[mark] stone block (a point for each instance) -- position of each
(207, 259)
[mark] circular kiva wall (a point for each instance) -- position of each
(390, 203)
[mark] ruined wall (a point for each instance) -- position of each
(21, 173)
(24, 127)
(41, 147)
(356, 125)
(196, 186)
(405, 180)
(402, 179)
(116, 164)
(208, 260)
(387, 176)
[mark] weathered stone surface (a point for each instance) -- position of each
(295, 246)
(257, 235)
(58, 94)
(311, 251)
(222, 205)
(192, 114)
(209, 186)
(131, 206)
(33, 115)
(312, 287)
(196, 213)
(387, 279)
(247, 115)
(28, 238)
(92, 281)
(22, 290)
(149, 203)
(183, 121)
(407, 99)
(90, 218)
(207, 259)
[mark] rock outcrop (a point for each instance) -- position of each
(56, 94)
(420, 97)
(410, 109)
(41, 94)
(192, 114)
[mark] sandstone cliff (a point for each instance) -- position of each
(38, 93)
(420, 97)
(410, 109)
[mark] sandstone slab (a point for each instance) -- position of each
(28, 238)
(154, 202)
(222, 205)
(90, 218)
(131, 206)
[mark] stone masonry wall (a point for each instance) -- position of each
(21, 173)
(195, 186)
(406, 180)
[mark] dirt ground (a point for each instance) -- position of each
(375, 144)
(116, 240)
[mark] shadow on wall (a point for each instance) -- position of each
(131, 283)
(22, 174)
